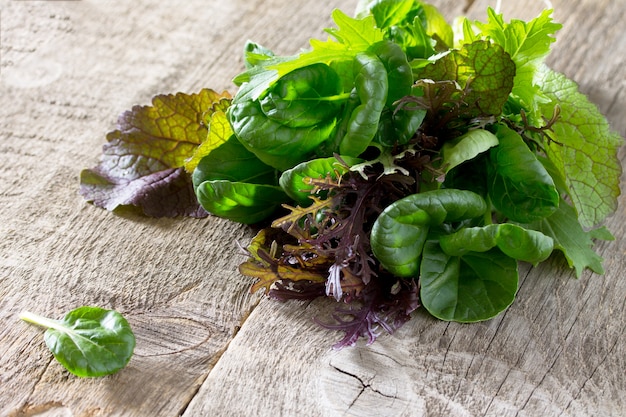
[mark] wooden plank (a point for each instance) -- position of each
(559, 350)
(68, 68)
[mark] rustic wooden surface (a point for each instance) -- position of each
(205, 345)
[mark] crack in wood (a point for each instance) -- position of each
(364, 386)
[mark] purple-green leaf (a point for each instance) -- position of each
(142, 163)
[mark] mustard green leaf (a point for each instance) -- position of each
(583, 149)
(486, 67)
(142, 161)
(570, 238)
(528, 44)
(219, 132)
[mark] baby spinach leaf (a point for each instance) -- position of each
(293, 181)
(583, 149)
(304, 97)
(238, 201)
(233, 162)
(142, 163)
(519, 185)
(467, 147)
(372, 86)
(88, 341)
(514, 241)
(399, 233)
(275, 144)
(468, 288)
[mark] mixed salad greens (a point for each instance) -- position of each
(402, 162)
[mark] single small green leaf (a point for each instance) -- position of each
(571, 239)
(468, 288)
(399, 233)
(240, 202)
(519, 185)
(255, 54)
(513, 240)
(88, 341)
(467, 147)
(583, 149)
(437, 27)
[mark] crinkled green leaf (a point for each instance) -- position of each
(485, 66)
(519, 185)
(240, 202)
(143, 159)
(399, 233)
(513, 240)
(467, 147)
(584, 149)
(570, 238)
(468, 288)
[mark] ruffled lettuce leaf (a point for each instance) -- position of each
(142, 164)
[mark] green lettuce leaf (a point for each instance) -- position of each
(142, 163)
(583, 149)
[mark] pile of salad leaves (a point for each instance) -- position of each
(402, 162)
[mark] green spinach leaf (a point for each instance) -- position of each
(468, 288)
(88, 341)
(519, 185)
(399, 233)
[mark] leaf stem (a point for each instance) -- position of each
(38, 320)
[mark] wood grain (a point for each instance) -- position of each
(205, 345)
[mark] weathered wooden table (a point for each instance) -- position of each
(205, 345)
